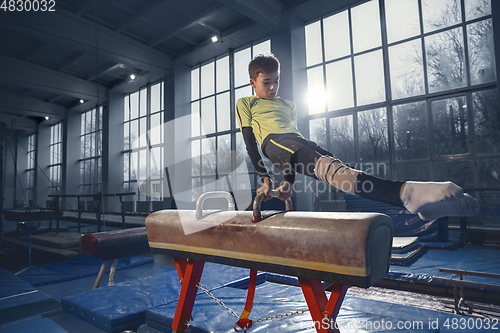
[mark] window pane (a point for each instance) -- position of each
(317, 132)
(143, 100)
(402, 19)
(477, 8)
(156, 132)
(156, 97)
(488, 172)
(223, 154)
(407, 73)
(481, 52)
(195, 119)
(156, 159)
(208, 115)
(142, 165)
(410, 131)
(207, 79)
(208, 161)
(195, 84)
(223, 114)
(241, 60)
(458, 172)
(413, 171)
(316, 90)
(342, 138)
(336, 36)
(133, 166)
(134, 133)
(449, 117)
(339, 85)
(373, 140)
(134, 105)
(222, 74)
(82, 148)
(445, 60)
(487, 121)
(242, 92)
(314, 52)
(366, 26)
(142, 133)
(369, 71)
(439, 14)
(126, 168)
(195, 157)
(262, 48)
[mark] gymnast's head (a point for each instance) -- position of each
(264, 71)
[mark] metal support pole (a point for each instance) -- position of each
(101, 273)
(112, 271)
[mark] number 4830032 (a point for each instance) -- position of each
(28, 6)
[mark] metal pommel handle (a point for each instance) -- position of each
(257, 216)
(213, 195)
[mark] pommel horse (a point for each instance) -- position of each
(348, 249)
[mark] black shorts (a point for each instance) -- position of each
(279, 148)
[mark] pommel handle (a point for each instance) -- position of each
(257, 216)
(213, 195)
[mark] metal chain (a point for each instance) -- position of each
(199, 285)
(260, 320)
(279, 316)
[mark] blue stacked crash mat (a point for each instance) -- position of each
(124, 305)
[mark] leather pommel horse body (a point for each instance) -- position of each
(348, 249)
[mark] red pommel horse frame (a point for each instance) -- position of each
(323, 311)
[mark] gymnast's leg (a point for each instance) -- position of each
(430, 200)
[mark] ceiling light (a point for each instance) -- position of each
(132, 76)
(82, 101)
(47, 118)
(215, 39)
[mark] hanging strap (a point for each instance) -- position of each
(244, 323)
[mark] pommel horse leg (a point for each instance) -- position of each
(323, 311)
(189, 271)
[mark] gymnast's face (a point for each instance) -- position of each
(266, 85)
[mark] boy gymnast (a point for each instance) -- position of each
(272, 122)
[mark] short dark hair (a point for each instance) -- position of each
(263, 63)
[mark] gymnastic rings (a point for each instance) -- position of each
(243, 323)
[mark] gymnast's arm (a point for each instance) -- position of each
(253, 153)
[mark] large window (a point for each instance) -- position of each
(91, 151)
(55, 151)
(143, 142)
(406, 89)
(213, 127)
(30, 171)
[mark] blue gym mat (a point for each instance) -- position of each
(356, 314)
(75, 268)
(124, 305)
(16, 292)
